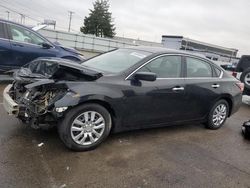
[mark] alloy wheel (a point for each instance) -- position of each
(219, 115)
(87, 128)
(247, 79)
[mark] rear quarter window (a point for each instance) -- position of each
(197, 68)
(217, 72)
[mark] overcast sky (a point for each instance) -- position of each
(221, 22)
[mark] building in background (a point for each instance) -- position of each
(211, 51)
(90, 45)
(138, 41)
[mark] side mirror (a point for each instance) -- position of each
(147, 76)
(46, 45)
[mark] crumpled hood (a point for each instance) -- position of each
(55, 68)
(27, 73)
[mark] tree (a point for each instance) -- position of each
(99, 21)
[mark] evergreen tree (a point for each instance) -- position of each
(99, 21)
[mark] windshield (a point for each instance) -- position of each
(116, 61)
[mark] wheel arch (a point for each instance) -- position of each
(105, 104)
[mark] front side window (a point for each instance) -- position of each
(164, 67)
(198, 68)
(23, 35)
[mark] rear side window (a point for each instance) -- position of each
(1, 31)
(198, 68)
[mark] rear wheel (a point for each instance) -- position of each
(245, 78)
(85, 127)
(218, 115)
(245, 133)
(246, 129)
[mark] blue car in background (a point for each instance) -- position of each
(20, 45)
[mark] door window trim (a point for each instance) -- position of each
(154, 58)
(183, 71)
(26, 43)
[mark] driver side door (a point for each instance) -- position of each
(160, 101)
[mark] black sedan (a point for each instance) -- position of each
(124, 89)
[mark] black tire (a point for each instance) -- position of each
(245, 133)
(64, 128)
(210, 124)
(242, 78)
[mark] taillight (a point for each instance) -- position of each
(240, 85)
(234, 74)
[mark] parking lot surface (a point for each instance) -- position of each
(176, 156)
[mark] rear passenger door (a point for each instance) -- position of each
(5, 49)
(202, 86)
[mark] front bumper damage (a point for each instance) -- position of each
(42, 93)
(24, 110)
(11, 107)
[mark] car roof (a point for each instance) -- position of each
(152, 49)
(155, 50)
(163, 50)
(11, 22)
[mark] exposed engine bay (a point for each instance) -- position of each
(36, 104)
(41, 83)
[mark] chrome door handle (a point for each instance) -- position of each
(178, 89)
(215, 85)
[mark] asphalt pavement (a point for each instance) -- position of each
(176, 156)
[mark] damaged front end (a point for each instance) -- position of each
(38, 86)
(36, 101)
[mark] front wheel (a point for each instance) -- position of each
(218, 115)
(85, 127)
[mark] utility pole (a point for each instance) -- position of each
(22, 18)
(8, 13)
(70, 18)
